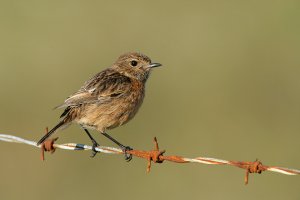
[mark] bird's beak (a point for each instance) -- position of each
(152, 65)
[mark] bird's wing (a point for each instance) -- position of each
(101, 88)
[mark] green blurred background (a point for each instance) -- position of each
(229, 88)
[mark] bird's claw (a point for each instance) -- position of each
(128, 156)
(94, 152)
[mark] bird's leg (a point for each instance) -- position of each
(128, 157)
(95, 143)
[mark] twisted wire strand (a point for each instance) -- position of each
(157, 156)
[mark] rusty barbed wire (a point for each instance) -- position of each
(155, 156)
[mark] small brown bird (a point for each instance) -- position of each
(109, 99)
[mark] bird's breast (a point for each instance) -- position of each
(132, 102)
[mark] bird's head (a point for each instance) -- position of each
(135, 65)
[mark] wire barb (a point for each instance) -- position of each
(250, 167)
(47, 146)
(155, 156)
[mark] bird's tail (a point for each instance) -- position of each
(61, 123)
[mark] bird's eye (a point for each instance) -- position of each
(133, 63)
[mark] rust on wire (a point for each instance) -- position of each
(250, 167)
(151, 156)
(47, 145)
(157, 156)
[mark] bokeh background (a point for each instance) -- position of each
(229, 88)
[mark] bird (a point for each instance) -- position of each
(108, 100)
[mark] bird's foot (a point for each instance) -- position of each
(128, 156)
(94, 152)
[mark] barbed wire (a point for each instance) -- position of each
(155, 156)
